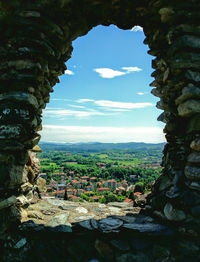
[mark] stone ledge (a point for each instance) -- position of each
(65, 216)
(92, 232)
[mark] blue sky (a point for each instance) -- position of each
(104, 94)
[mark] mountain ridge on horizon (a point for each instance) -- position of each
(98, 146)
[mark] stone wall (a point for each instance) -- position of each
(58, 230)
(36, 39)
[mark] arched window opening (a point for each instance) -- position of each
(100, 115)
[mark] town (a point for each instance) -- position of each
(102, 176)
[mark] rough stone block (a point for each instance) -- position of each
(188, 108)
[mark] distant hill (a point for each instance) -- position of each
(96, 146)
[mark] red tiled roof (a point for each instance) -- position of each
(73, 197)
(96, 197)
(111, 180)
(58, 192)
(104, 188)
(128, 200)
(137, 193)
(75, 182)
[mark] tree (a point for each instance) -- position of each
(139, 187)
(85, 197)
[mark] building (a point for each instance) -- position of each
(101, 165)
(79, 192)
(95, 198)
(93, 179)
(89, 188)
(102, 189)
(61, 187)
(111, 183)
(59, 194)
(85, 178)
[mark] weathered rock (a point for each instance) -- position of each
(103, 249)
(160, 252)
(194, 158)
(139, 257)
(31, 226)
(58, 202)
(18, 175)
(196, 211)
(26, 187)
(119, 204)
(141, 200)
(166, 14)
(20, 243)
(82, 218)
(192, 173)
(23, 214)
(120, 244)
(81, 210)
(20, 97)
(115, 209)
(22, 201)
(189, 108)
(194, 185)
(189, 198)
(58, 220)
(188, 92)
(8, 202)
(94, 223)
(195, 145)
(194, 124)
(41, 184)
(34, 214)
(174, 192)
(149, 227)
(193, 75)
(173, 214)
(29, 14)
(110, 224)
(86, 224)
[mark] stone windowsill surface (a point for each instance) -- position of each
(65, 216)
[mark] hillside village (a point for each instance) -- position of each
(72, 186)
(80, 176)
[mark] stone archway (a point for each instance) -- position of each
(35, 44)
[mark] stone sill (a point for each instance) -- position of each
(65, 216)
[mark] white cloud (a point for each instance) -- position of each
(124, 105)
(75, 106)
(65, 113)
(83, 100)
(140, 93)
(102, 134)
(108, 72)
(137, 28)
(116, 109)
(69, 72)
(130, 69)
